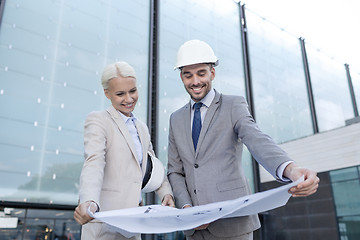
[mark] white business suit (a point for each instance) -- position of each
(111, 175)
(213, 172)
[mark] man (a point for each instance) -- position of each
(206, 139)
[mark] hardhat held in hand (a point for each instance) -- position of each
(154, 174)
(194, 52)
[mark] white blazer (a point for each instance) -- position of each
(111, 175)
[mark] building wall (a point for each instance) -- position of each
(309, 218)
(326, 151)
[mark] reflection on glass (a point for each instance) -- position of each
(355, 77)
(331, 90)
(39, 224)
(279, 87)
(346, 191)
(51, 59)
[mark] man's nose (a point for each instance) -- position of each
(196, 80)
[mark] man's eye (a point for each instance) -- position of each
(201, 74)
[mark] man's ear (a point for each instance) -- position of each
(212, 76)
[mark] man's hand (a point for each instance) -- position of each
(168, 201)
(202, 227)
(306, 188)
(81, 215)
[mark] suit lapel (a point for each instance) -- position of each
(142, 135)
(208, 118)
(123, 129)
(187, 125)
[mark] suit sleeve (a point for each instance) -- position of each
(262, 147)
(92, 174)
(176, 172)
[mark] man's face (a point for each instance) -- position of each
(197, 79)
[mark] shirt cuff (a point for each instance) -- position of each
(186, 205)
(280, 171)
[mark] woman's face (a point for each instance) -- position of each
(123, 94)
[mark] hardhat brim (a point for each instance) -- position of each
(154, 174)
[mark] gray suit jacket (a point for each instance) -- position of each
(214, 173)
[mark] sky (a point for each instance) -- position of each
(328, 25)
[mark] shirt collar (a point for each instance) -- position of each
(126, 118)
(207, 100)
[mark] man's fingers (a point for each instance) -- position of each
(299, 191)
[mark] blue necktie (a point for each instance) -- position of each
(196, 128)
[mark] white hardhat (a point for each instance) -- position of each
(154, 174)
(193, 52)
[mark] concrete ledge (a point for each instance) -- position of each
(335, 149)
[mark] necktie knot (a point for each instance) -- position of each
(197, 105)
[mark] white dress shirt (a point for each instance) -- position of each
(130, 124)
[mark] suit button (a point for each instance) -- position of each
(195, 191)
(196, 165)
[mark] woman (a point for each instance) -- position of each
(116, 146)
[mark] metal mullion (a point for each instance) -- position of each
(351, 88)
(309, 86)
(153, 101)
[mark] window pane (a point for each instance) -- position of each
(331, 90)
(344, 174)
(346, 191)
(279, 86)
(51, 58)
(355, 77)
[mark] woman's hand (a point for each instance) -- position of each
(168, 200)
(81, 215)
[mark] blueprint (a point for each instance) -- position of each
(163, 219)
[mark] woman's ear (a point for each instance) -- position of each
(106, 92)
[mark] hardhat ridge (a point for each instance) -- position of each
(193, 52)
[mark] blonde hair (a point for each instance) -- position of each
(117, 69)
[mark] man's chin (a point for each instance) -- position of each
(196, 98)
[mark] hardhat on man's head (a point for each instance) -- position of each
(194, 52)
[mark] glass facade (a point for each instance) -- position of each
(279, 86)
(346, 191)
(39, 224)
(51, 58)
